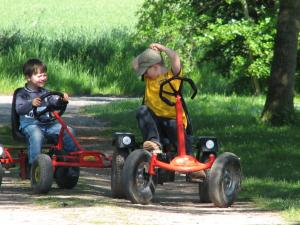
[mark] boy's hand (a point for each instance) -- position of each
(66, 97)
(157, 47)
(175, 60)
(36, 102)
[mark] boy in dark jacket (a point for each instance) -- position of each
(35, 131)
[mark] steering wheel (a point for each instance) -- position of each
(60, 106)
(174, 91)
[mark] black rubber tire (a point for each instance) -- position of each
(225, 180)
(63, 180)
(1, 174)
(138, 184)
(118, 161)
(203, 189)
(41, 174)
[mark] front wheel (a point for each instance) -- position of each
(225, 180)
(118, 160)
(138, 184)
(41, 174)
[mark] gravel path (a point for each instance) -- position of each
(90, 202)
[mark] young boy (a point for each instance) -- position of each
(35, 131)
(156, 118)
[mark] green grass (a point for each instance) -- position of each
(270, 155)
(53, 18)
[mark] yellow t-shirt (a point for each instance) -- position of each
(154, 102)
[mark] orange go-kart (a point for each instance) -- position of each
(136, 172)
(52, 163)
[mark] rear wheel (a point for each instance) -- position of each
(41, 174)
(66, 180)
(225, 180)
(138, 184)
(118, 160)
(1, 174)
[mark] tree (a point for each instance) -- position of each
(224, 43)
(279, 105)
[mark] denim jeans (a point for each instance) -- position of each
(37, 134)
(154, 128)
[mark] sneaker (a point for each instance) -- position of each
(196, 177)
(152, 146)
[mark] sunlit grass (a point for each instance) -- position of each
(53, 18)
(88, 46)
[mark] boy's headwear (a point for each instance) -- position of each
(147, 58)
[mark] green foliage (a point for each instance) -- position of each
(236, 35)
(89, 46)
(269, 155)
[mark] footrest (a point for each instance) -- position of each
(85, 159)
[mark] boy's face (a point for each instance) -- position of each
(152, 72)
(37, 80)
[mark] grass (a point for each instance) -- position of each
(88, 46)
(270, 155)
(53, 18)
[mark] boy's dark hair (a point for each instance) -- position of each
(32, 66)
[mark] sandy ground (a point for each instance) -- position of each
(90, 201)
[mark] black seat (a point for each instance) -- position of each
(15, 120)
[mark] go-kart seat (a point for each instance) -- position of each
(15, 120)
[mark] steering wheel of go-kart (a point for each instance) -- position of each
(60, 107)
(174, 91)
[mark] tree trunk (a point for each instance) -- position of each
(279, 105)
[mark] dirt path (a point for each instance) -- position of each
(90, 201)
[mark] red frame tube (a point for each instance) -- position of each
(80, 158)
(182, 163)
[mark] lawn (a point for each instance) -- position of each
(87, 45)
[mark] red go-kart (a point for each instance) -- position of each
(52, 163)
(136, 172)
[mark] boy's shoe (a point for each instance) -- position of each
(196, 177)
(152, 146)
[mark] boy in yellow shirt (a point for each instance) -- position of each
(156, 118)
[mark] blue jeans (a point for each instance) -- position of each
(36, 135)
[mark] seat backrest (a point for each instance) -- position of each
(15, 120)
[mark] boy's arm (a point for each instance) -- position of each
(23, 104)
(174, 58)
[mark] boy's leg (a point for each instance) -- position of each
(169, 128)
(68, 144)
(147, 123)
(52, 132)
(35, 139)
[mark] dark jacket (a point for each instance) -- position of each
(24, 108)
